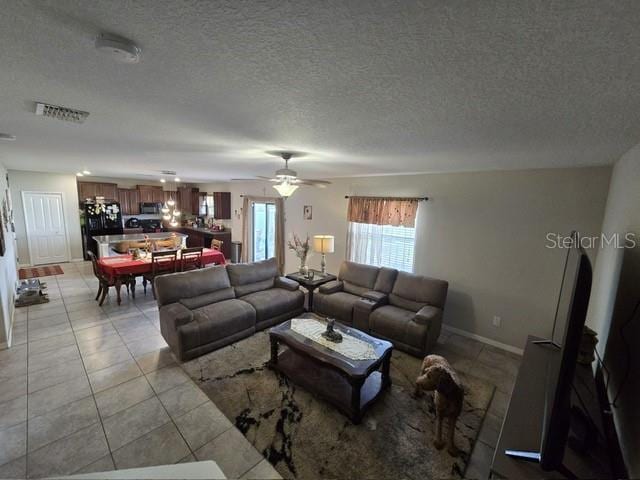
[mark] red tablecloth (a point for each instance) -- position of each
(125, 265)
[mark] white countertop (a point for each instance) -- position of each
(134, 237)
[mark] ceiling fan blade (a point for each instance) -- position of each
(268, 179)
(309, 184)
(307, 181)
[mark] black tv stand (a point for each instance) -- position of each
(517, 450)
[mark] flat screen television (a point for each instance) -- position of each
(571, 312)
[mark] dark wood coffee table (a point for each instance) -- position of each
(350, 385)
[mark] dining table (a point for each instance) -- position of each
(123, 269)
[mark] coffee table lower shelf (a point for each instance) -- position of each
(352, 396)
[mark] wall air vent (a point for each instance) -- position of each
(61, 113)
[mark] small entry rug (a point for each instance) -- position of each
(45, 271)
(304, 437)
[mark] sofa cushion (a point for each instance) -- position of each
(247, 278)
(412, 292)
(397, 324)
(338, 305)
(357, 277)
(386, 279)
(216, 321)
(274, 302)
(173, 287)
(207, 298)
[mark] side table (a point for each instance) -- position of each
(311, 284)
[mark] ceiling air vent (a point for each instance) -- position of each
(168, 172)
(61, 113)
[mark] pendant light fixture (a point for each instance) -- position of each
(170, 211)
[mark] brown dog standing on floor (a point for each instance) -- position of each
(437, 375)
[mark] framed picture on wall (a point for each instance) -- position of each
(307, 212)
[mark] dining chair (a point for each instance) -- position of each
(162, 263)
(104, 282)
(190, 258)
(216, 244)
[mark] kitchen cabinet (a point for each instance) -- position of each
(188, 200)
(168, 195)
(97, 189)
(129, 200)
(222, 205)
(150, 194)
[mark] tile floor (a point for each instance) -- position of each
(87, 388)
(497, 367)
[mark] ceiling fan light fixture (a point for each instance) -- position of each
(285, 189)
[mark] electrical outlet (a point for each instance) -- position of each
(497, 321)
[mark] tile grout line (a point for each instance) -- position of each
(95, 403)
(158, 397)
(26, 453)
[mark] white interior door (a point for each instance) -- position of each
(46, 229)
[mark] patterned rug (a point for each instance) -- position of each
(45, 271)
(304, 437)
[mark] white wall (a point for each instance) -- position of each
(616, 289)
(484, 233)
(8, 272)
(46, 182)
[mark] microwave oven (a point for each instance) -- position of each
(150, 208)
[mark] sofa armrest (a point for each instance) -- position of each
(175, 314)
(362, 309)
(286, 283)
(331, 287)
(427, 314)
(378, 298)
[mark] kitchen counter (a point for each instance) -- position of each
(202, 237)
(201, 230)
(104, 241)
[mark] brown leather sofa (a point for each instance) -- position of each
(401, 307)
(206, 309)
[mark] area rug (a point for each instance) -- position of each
(306, 438)
(45, 271)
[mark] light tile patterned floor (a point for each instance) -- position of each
(86, 388)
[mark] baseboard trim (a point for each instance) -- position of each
(480, 338)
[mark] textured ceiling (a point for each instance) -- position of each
(366, 87)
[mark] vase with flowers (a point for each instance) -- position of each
(301, 249)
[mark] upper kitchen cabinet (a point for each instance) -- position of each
(188, 200)
(129, 200)
(150, 194)
(97, 189)
(222, 205)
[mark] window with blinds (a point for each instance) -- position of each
(382, 245)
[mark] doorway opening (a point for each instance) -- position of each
(263, 238)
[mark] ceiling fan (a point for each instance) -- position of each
(287, 181)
